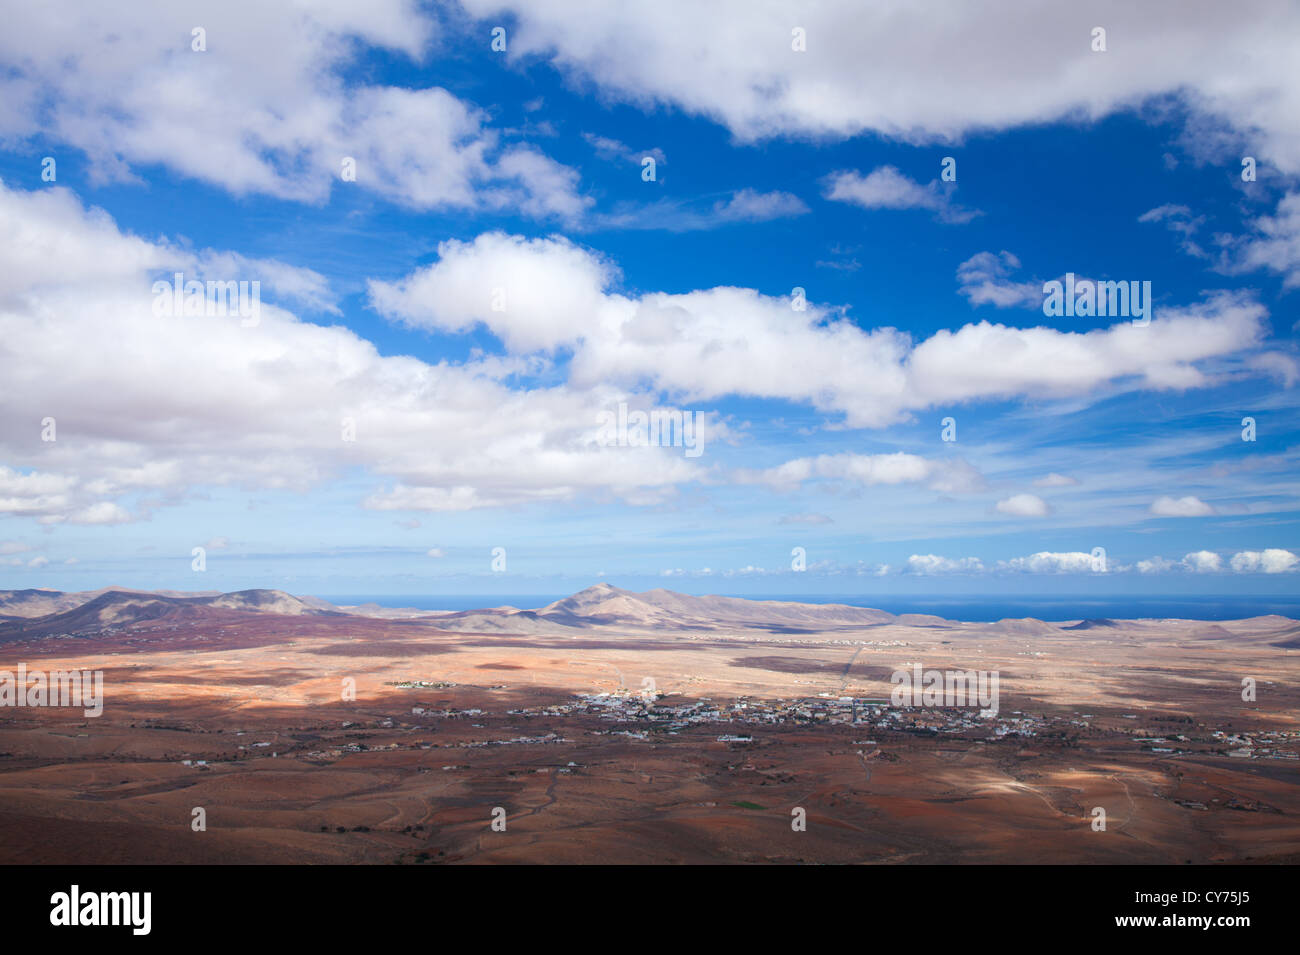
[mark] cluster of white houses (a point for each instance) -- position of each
(647, 715)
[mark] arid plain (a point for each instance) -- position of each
(639, 728)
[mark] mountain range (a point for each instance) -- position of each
(25, 614)
(34, 613)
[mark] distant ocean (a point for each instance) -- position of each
(962, 607)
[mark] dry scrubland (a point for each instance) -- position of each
(1085, 710)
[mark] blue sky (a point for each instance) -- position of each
(521, 171)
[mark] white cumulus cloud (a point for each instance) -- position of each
(870, 67)
(1049, 562)
(887, 188)
(1189, 506)
(1203, 562)
(1024, 505)
(933, 564)
(1274, 560)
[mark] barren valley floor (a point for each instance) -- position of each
(654, 743)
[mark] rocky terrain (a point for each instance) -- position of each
(650, 727)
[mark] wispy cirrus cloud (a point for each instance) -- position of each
(676, 215)
(1179, 220)
(613, 150)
